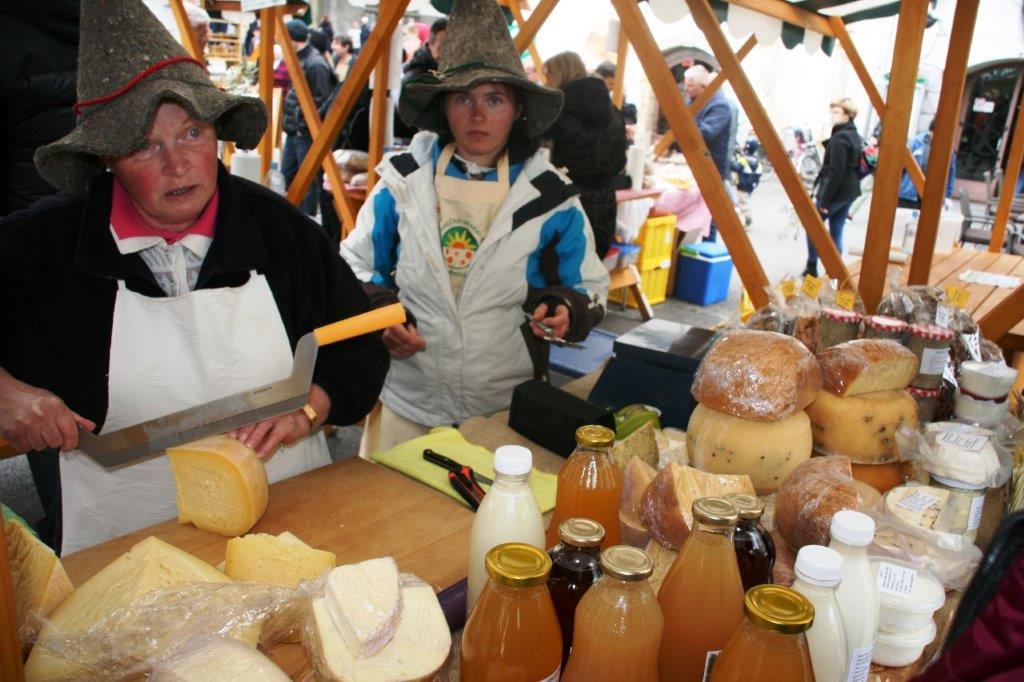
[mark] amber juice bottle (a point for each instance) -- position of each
(589, 485)
(575, 566)
(755, 549)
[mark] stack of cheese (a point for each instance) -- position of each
(752, 387)
(862, 406)
(374, 624)
(40, 583)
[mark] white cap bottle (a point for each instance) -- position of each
(818, 571)
(857, 594)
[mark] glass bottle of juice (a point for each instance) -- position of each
(770, 644)
(619, 623)
(702, 596)
(589, 485)
(857, 593)
(575, 566)
(512, 634)
(508, 513)
(755, 549)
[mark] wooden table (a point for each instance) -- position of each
(946, 269)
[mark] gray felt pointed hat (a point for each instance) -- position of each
(477, 49)
(127, 65)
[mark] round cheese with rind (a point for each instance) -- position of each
(861, 427)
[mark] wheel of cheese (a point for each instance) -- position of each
(861, 427)
(882, 477)
(757, 375)
(765, 451)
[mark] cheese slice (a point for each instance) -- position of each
(149, 565)
(281, 561)
(642, 443)
(222, 660)
(417, 650)
(919, 505)
(221, 484)
(364, 601)
(40, 583)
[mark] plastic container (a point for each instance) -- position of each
(927, 400)
(703, 273)
(977, 411)
(857, 595)
(896, 650)
(986, 380)
(908, 598)
(655, 240)
(838, 326)
(930, 343)
(965, 507)
(818, 571)
(884, 327)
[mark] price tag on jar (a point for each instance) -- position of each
(957, 296)
(788, 288)
(846, 299)
(962, 441)
(933, 361)
(918, 502)
(943, 315)
(897, 580)
(977, 507)
(811, 286)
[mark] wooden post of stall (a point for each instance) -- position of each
(266, 84)
(698, 103)
(944, 138)
(1009, 186)
(379, 111)
(188, 38)
(697, 156)
(10, 642)
(620, 68)
(517, 14)
(528, 31)
(707, 22)
(903, 74)
(359, 73)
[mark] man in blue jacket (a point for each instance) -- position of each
(714, 121)
(920, 147)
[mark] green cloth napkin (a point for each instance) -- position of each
(407, 458)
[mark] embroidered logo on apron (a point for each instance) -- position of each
(459, 244)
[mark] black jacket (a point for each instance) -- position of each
(837, 180)
(321, 79)
(421, 62)
(59, 268)
(589, 140)
(38, 68)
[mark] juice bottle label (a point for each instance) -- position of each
(860, 663)
(709, 663)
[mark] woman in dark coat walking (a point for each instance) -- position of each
(589, 141)
(837, 184)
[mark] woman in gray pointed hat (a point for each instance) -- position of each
(158, 281)
(471, 228)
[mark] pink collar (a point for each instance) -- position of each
(127, 222)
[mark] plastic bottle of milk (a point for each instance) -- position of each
(818, 570)
(851, 533)
(509, 513)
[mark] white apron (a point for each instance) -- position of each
(166, 355)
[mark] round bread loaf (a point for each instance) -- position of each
(757, 375)
(812, 494)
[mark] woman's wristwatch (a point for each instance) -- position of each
(310, 413)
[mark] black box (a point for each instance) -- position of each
(549, 416)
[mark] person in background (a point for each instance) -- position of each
(365, 28)
(281, 78)
(322, 44)
(410, 41)
(606, 72)
(326, 27)
(920, 146)
(321, 81)
(714, 120)
(476, 233)
(837, 184)
(746, 164)
(588, 139)
(425, 58)
(344, 55)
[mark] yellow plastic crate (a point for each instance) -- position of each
(655, 240)
(654, 284)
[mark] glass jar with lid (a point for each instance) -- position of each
(838, 326)
(884, 327)
(589, 485)
(575, 566)
(755, 549)
(927, 400)
(965, 507)
(930, 343)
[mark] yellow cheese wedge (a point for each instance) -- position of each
(40, 583)
(222, 485)
(222, 660)
(282, 561)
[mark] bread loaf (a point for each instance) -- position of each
(861, 427)
(764, 451)
(757, 375)
(866, 366)
(812, 494)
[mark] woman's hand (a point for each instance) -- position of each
(559, 322)
(34, 419)
(403, 341)
(266, 436)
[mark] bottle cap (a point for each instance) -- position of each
(627, 563)
(852, 528)
(747, 506)
(778, 608)
(517, 565)
(819, 565)
(581, 532)
(513, 460)
(715, 511)
(594, 436)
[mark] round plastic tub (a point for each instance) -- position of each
(897, 650)
(898, 613)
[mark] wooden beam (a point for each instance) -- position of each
(944, 139)
(188, 38)
(1009, 186)
(697, 104)
(378, 113)
(1004, 317)
(528, 31)
(809, 216)
(903, 74)
(621, 50)
(10, 642)
(517, 14)
(788, 13)
(359, 73)
(309, 112)
(906, 158)
(266, 84)
(697, 156)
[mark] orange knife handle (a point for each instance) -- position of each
(372, 321)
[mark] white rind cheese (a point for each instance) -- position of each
(364, 601)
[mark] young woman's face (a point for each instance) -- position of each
(839, 115)
(480, 120)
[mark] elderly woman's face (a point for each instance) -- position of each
(481, 120)
(173, 175)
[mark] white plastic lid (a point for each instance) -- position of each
(513, 460)
(819, 565)
(928, 594)
(852, 528)
(908, 640)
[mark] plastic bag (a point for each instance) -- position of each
(914, 304)
(629, 218)
(806, 315)
(774, 317)
(204, 656)
(960, 452)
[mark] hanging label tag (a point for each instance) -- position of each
(943, 315)
(846, 299)
(977, 507)
(957, 296)
(962, 441)
(950, 373)
(973, 343)
(895, 579)
(811, 286)
(788, 288)
(918, 502)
